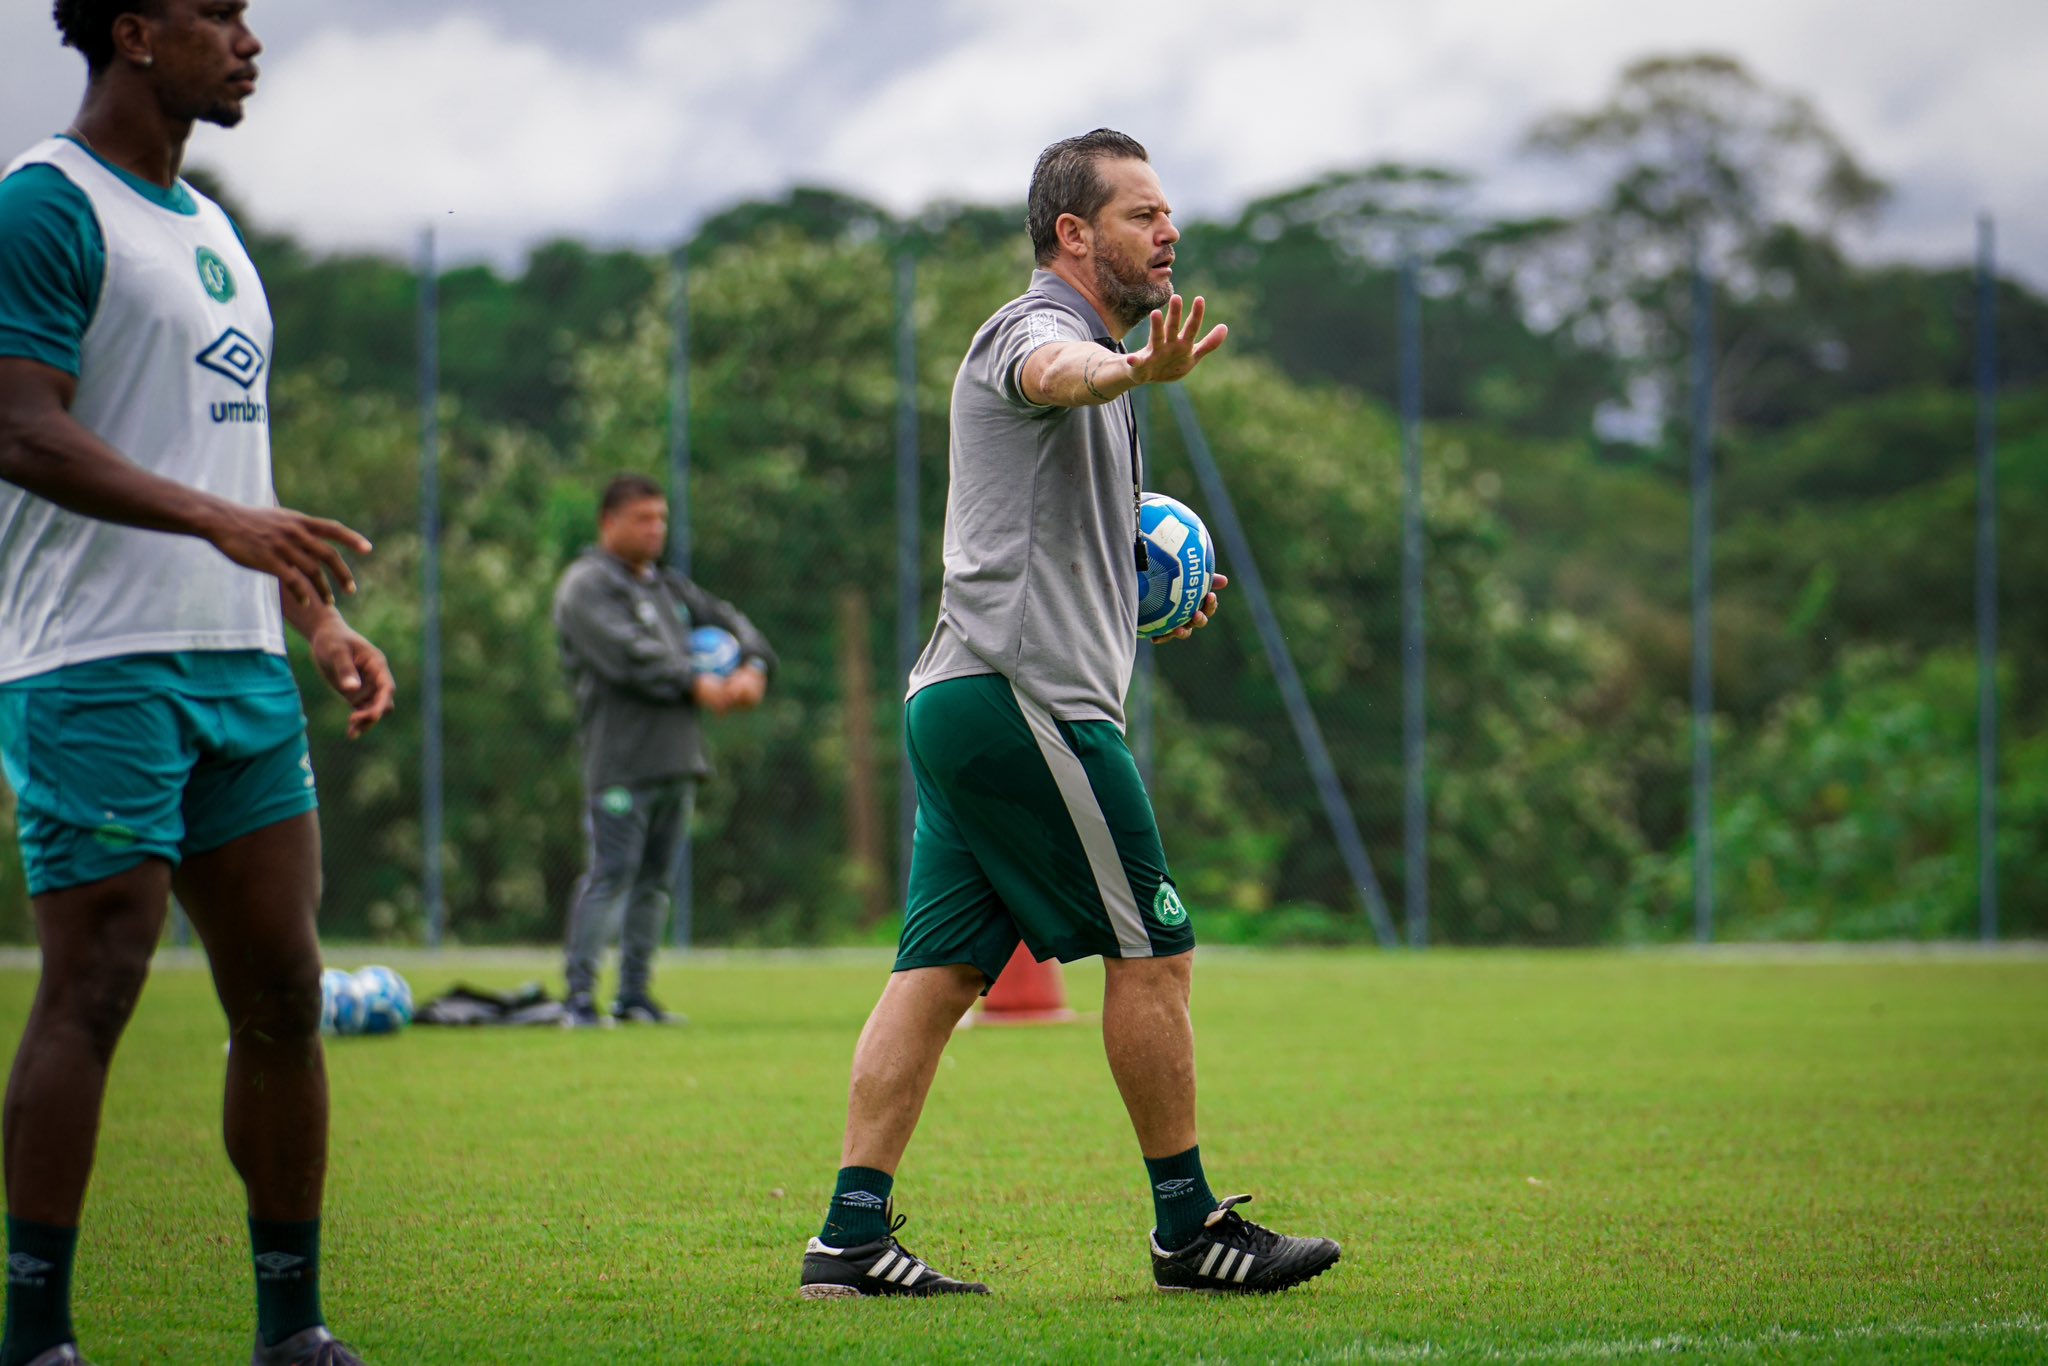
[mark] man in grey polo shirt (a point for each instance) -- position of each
(1032, 821)
(625, 624)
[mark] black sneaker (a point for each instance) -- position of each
(580, 1012)
(883, 1267)
(313, 1347)
(1233, 1254)
(64, 1355)
(641, 1008)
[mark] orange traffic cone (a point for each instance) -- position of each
(1027, 992)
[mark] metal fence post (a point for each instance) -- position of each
(1702, 597)
(684, 897)
(1145, 674)
(431, 890)
(909, 605)
(1987, 582)
(1244, 571)
(1414, 708)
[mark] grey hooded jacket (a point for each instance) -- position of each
(626, 650)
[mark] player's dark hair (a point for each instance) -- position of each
(1066, 181)
(627, 488)
(88, 25)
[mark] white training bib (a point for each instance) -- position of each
(174, 375)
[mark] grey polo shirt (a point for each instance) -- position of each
(1041, 519)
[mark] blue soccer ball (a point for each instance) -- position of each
(341, 1003)
(714, 650)
(387, 1000)
(1181, 561)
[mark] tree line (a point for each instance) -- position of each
(1556, 519)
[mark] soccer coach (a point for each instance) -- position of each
(1033, 823)
(625, 622)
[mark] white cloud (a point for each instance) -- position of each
(1236, 100)
(360, 138)
(363, 132)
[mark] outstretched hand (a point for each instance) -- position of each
(1172, 351)
(295, 549)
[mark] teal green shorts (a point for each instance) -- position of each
(1029, 828)
(150, 756)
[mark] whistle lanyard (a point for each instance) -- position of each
(1144, 561)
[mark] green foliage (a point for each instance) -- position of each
(1317, 269)
(1314, 474)
(1556, 542)
(513, 785)
(1852, 814)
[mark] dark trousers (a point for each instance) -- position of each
(635, 840)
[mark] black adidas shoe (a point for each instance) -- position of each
(883, 1267)
(64, 1355)
(1233, 1254)
(580, 1012)
(313, 1347)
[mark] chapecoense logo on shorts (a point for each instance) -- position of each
(1166, 906)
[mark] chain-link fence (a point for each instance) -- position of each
(1554, 786)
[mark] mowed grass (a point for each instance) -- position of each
(1550, 1157)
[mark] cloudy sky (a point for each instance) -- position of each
(508, 122)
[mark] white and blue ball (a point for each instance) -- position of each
(1181, 560)
(387, 1000)
(714, 650)
(341, 1003)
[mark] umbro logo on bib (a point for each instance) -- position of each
(234, 355)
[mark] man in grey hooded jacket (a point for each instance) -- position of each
(625, 622)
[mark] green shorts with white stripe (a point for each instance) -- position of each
(1029, 828)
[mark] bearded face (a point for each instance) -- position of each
(1129, 286)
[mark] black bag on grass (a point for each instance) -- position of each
(467, 1005)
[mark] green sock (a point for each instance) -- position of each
(38, 1289)
(287, 1255)
(1181, 1199)
(855, 1215)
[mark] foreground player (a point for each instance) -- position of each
(149, 724)
(1032, 820)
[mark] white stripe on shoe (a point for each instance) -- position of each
(1215, 1251)
(917, 1269)
(1242, 1267)
(881, 1267)
(1229, 1260)
(908, 1267)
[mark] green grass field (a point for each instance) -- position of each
(1558, 1157)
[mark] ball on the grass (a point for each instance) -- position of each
(714, 650)
(1180, 562)
(387, 1000)
(341, 1003)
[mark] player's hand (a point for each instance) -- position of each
(357, 670)
(711, 693)
(745, 688)
(296, 549)
(1172, 350)
(1202, 613)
